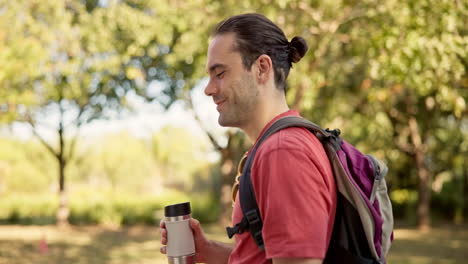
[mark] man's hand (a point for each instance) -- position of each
(202, 244)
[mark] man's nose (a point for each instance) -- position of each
(210, 88)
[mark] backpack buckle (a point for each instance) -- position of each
(259, 240)
(255, 224)
(334, 138)
(252, 217)
(231, 231)
(335, 132)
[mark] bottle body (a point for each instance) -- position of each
(180, 247)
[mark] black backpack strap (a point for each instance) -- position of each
(252, 219)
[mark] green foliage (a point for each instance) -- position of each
(404, 204)
(24, 166)
(115, 180)
(112, 208)
(78, 61)
(449, 196)
(205, 207)
(116, 160)
(179, 154)
(28, 209)
(103, 207)
(63, 52)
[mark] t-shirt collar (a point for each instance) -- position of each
(287, 113)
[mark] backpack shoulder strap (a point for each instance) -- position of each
(252, 218)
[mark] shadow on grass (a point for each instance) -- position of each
(98, 245)
(441, 245)
(87, 246)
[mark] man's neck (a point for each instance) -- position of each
(263, 116)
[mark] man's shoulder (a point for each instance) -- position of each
(292, 138)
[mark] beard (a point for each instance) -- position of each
(239, 107)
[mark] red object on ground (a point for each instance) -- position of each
(43, 247)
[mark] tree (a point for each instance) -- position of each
(81, 62)
(391, 77)
(412, 76)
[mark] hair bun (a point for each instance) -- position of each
(298, 49)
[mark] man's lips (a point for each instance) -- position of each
(219, 104)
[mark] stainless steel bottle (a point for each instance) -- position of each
(180, 245)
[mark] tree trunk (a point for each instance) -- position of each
(227, 172)
(423, 210)
(230, 157)
(464, 208)
(424, 192)
(63, 211)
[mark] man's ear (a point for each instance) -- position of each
(264, 68)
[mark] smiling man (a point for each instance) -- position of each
(249, 59)
(231, 86)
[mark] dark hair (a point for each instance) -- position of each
(257, 35)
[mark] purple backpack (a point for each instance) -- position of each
(363, 228)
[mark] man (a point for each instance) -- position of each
(249, 59)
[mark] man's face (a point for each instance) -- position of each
(233, 88)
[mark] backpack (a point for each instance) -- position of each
(363, 228)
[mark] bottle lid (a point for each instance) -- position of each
(177, 209)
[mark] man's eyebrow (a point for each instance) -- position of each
(216, 66)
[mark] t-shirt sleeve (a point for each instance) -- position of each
(295, 203)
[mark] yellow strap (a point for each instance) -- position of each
(235, 187)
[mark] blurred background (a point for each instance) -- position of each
(103, 120)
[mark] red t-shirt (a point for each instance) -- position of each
(296, 194)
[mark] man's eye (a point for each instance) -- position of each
(220, 75)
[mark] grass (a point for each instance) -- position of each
(140, 244)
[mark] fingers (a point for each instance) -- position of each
(164, 236)
(163, 232)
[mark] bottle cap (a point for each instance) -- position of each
(177, 209)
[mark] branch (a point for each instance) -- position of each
(416, 139)
(26, 117)
(334, 25)
(351, 16)
(395, 119)
(42, 140)
(71, 151)
(197, 118)
(72, 146)
(406, 148)
(77, 121)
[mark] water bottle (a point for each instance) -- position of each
(180, 247)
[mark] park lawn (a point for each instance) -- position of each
(140, 244)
